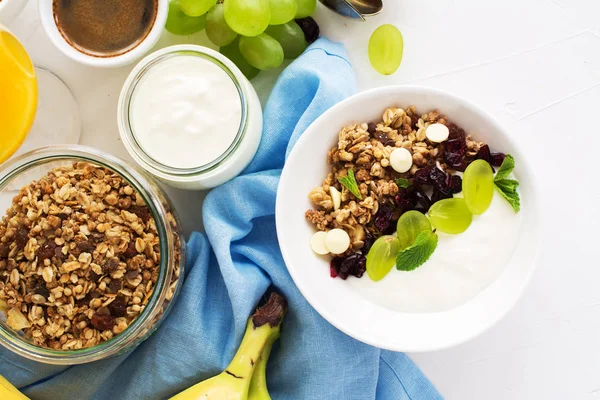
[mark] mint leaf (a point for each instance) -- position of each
(508, 187)
(506, 168)
(350, 182)
(418, 253)
(508, 190)
(402, 183)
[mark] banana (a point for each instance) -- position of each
(258, 385)
(234, 383)
(9, 392)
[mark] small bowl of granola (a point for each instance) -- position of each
(90, 255)
(408, 218)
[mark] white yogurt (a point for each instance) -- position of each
(460, 268)
(185, 112)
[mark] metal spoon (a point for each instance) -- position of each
(355, 9)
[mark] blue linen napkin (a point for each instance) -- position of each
(312, 360)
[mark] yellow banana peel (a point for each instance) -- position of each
(9, 392)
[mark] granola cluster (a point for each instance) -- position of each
(365, 148)
(79, 258)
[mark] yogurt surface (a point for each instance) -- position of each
(460, 268)
(185, 112)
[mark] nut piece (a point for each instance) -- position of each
(337, 241)
(336, 197)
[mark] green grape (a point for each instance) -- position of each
(410, 224)
(262, 51)
(217, 29)
(478, 186)
(196, 8)
(382, 257)
(450, 215)
(247, 17)
(178, 23)
(385, 49)
(232, 51)
(282, 11)
(290, 36)
(305, 8)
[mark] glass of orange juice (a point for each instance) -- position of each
(36, 107)
(18, 94)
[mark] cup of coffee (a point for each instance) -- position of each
(104, 33)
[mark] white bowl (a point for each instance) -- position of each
(10, 9)
(335, 299)
(49, 24)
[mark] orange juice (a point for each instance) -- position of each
(18, 94)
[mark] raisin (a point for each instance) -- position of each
(422, 176)
(41, 289)
(94, 295)
(484, 154)
(497, 159)
(141, 211)
(21, 236)
(94, 276)
(130, 252)
(353, 265)
(103, 322)
(310, 28)
(383, 138)
(372, 128)
(118, 307)
(85, 246)
(334, 266)
(59, 254)
(110, 265)
(114, 286)
(4, 251)
(368, 242)
(456, 184)
(63, 216)
(423, 200)
(47, 250)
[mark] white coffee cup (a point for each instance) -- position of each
(9, 9)
(49, 24)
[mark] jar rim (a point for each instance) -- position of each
(10, 338)
(123, 110)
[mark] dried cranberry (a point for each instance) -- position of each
(310, 28)
(423, 200)
(497, 159)
(372, 128)
(368, 242)
(405, 203)
(456, 184)
(141, 211)
(383, 218)
(438, 195)
(118, 307)
(422, 176)
(440, 180)
(21, 236)
(334, 266)
(47, 250)
(103, 322)
(455, 148)
(484, 154)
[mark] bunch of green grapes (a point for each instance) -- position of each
(255, 34)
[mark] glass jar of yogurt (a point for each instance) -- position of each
(190, 117)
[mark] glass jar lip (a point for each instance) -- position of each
(129, 87)
(11, 339)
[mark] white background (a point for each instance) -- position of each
(535, 64)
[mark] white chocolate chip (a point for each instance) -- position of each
(401, 160)
(337, 241)
(336, 196)
(317, 243)
(437, 133)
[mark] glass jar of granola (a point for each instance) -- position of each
(91, 255)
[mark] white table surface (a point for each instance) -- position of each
(535, 64)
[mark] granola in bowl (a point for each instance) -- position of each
(380, 171)
(80, 258)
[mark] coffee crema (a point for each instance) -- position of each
(104, 28)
